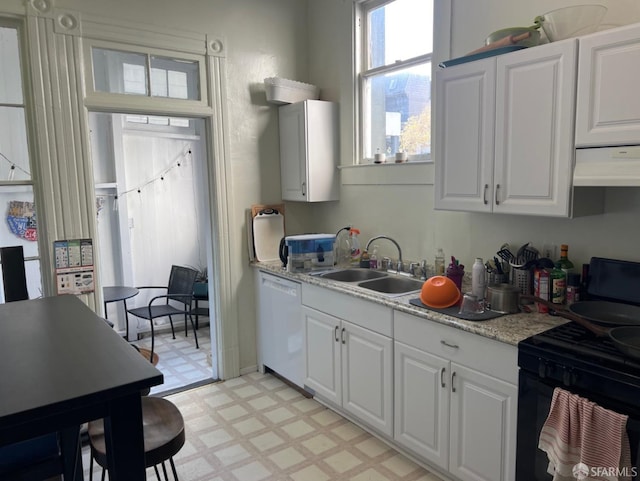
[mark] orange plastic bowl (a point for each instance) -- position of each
(439, 292)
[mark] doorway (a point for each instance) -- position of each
(152, 213)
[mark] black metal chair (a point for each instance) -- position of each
(179, 292)
(14, 277)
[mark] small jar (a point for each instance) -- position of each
(573, 288)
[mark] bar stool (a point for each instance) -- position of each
(163, 436)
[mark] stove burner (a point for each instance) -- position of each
(575, 342)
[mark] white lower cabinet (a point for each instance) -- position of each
(347, 364)
(458, 418)
(422, 404)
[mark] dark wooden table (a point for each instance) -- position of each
(60, 366)
(119, 293)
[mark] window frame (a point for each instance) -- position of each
(125, 103)
(361, 72)
(29, 185)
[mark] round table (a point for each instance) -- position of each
(119, 293)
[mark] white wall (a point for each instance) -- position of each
(406, 212)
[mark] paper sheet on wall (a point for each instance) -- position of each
(74, 266)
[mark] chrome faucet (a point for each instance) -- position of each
(399, 267)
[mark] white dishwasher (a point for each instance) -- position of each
(280, 327)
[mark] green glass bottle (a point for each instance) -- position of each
(565, 264)
(558, 284)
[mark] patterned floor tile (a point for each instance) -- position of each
(257, 428)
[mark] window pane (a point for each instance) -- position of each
(399, 116)
(177, 79)
(10, 79)
(119, 72)
(400, 30)
(14, 154)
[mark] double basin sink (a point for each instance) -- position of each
(383, 282)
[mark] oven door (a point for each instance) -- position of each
(534, 402)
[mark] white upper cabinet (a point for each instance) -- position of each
(608, 109)
(464, 136)
(504, 132)
(309, 151)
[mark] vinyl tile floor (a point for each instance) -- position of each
(256, 427)
(181, 363)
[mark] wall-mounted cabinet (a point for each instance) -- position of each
(309, 151)
(504, 132)
(608, 107)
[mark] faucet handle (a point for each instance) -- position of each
(412, 268)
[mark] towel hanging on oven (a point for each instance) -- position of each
(584, 440)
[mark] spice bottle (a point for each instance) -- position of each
(573, 288)
(558, 284)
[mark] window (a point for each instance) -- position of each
(17, 207)
(143, 74)
(393, 63)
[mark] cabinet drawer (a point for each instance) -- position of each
(360, 312)
(487, 355)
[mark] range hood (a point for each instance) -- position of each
(607, 167)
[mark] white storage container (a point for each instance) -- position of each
(283, 91)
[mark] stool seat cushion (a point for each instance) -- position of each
(163, 432)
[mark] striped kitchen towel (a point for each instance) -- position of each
(584, 440)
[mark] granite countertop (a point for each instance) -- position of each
(510, 328)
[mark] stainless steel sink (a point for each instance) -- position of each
(353, 275)
(393, 285)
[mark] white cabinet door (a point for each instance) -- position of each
(421, 421)
(293, 153)
(464, 136)
(309, 151)
(367, 360)
(322, 354)
(483, 420)
(534, 148)
(280, 327)
(504, 132)
(608, 109)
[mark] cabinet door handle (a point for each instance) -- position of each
(335, 333)
(304, 188)
(453, 386)
(445, 343)
(497, 189)
(484, 194)
(342, 336)
(442, 383)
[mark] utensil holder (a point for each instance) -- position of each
(523, 280)
(495, 278)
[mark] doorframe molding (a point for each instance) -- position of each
(57, 63)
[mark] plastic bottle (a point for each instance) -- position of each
(373, 258)
(355, 246)
(478, 278)
(439, 262)
(365, 260)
